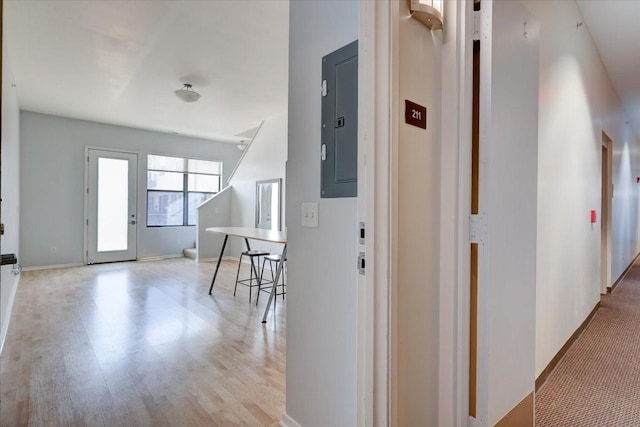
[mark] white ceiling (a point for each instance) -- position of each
(119, 62)
(614, 26)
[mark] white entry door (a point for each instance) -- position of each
(111, 206)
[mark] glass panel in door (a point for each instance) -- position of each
(111, 193)
(113, 204)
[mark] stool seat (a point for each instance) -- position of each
(256, 252)
(253, 272)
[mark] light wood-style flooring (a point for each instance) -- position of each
(141, 344)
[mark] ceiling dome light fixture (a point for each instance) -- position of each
(242, 145)
(187, 94)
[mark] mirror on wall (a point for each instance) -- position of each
(268, 202)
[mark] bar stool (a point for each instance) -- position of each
(253, 273)
(266, 285)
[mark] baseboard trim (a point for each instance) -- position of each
(521, 415)
(212, 259)
(624, 273)
(51, 267)
(567, 345)
(160, 257)
(7, 319)
(287, 421)
(145, 259)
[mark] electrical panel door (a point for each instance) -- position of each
(339, 150)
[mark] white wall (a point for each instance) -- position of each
(321, 306)
(507, 199)
(10, 192)
(418, 225)
(215, 212)
(52, 179)
(266, 158)
(576, 103)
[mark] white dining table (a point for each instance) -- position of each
(249, 233)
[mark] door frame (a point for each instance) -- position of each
(455, 209)
(377, 189)
(378, 118)
(605, 215)
(85, 190)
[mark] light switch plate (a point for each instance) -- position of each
(310, 215)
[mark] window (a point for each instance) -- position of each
(176, 186)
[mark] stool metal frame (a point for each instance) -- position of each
(264, 288)
(257, 234)
(253, 272)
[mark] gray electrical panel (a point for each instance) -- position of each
(339, 150)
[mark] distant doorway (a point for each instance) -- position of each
(605, 213)
(111, 206)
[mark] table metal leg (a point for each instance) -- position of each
(246, 241)
(253, 267)
(275, 283)
(226, 236)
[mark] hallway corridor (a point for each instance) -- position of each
(597, 383)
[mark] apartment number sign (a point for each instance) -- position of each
(415, 114)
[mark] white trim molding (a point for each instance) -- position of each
(7, 315)
(51, 267)
(158, 258)
(287, 421)
(215, 259)
(455, 205)
(378, 82)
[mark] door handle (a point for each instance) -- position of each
(132, 222)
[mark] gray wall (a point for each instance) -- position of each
(321, 307)
(52, 182)
(10, 192)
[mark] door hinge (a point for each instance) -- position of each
(87, 191)
(87, 159)
(361, 236)
(324, 88)
(477, 229)
(361, 262)
(323, 152)
(87, 222)
(477, 30)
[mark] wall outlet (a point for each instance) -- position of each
(310, 215)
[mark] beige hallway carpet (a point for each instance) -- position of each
(597, 383)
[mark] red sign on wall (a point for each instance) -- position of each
(415, 114)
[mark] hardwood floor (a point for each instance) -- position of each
(141, 344)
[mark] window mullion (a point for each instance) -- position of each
(203, 185)
(185, 201)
